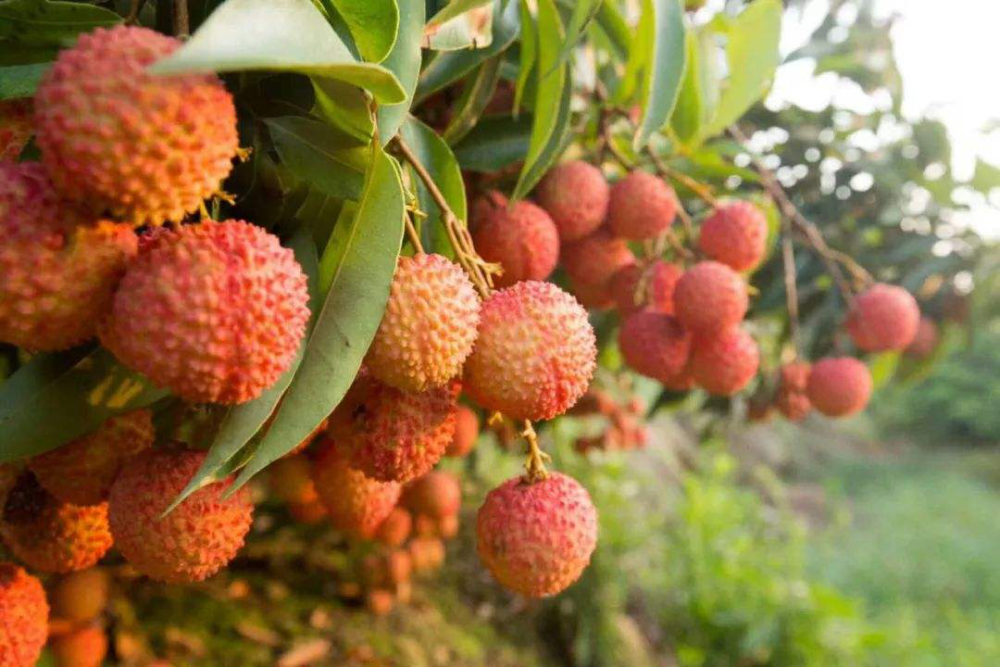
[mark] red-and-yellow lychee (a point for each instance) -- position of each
(85, 646)
(883, 317)
(635, 287)
(654, 344)
(735, 234)
(396, 527)
(81, 596)
(791, 399)
(576, 195)
(839, 386)
(593, 260)
(25, 615)
(15, 128)
(723, 363)
(710, 297)
(356, 504)
(642, 206)
(520, 237)
(466, 432)
(437, 494)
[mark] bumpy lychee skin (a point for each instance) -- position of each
(58, 265)
(884, 317)
(356, 504)
(214, 312)
(535, 355)
(537, 539)
(25, 615)
(191, 543)
(147, 149)
(15, 128)
(642, 206)
(635, 287)
(82, 471)
(429, 325)
(521, 238)
(735, 234)
(592, 261)
(576, 195)
(725, 362)
(839, 386)
(53, 536)
(710, 297)
(437, 494)
(466, 432)
(925, 341)
(392, 435)
(791, 399)
(655, 345)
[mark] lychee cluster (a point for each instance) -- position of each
(76, 633)
(25, 614)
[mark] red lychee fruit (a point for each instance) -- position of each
(839, 386)
(195, 540)
(593, 260)
(436, 494)
(392, 435)
(447, 526)
(576, 195)
(537, 538)
(635, 287)
(214, 312)
(429, 325)
(654, 344)
(427, 553)
(307, 513)
(425, 526)
(58, 266)
(520, 237)
(642, 206)
(466, 433)
(15, 128)
(146, 148)
(398, 566)
(396, 528)
(791, 399)
(724, 363)
(357, 504)
(290, 480)
(926, 340)
(535, 354)
(380, 601)
(81, 647)
(593, 297)
(710, 297)
(735, 234)
(82, 471)
(884, 317)
(81, 596)
(53, 536)
(25, 615)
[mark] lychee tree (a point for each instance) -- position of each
(257, 220)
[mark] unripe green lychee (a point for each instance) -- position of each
(635, 287)
(58, 266)
(791, 398)
(82, 471)
(85, 646)
(15, 128)
(537, 538)
(195, 540)
(147, 149)
(593, 260)
(576, 195)
(839, 386)
(884, 317)
(655, 345)
(520, 237)
(710, 297)
(724, 362)
(429, 325)
(466, 433)
(926, 340)
(642, 206)
(214, 311)
(735, 234)
(25, 615)
(436, 494)
(52, 536)
(535, 355)
(356, 504)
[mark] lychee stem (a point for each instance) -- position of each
(535, 465)
(791, 288)
(411, 233)
(182, 24)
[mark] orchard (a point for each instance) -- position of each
(310, 266)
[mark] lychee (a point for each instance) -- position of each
(593, 260)
(791, 398)
(81, 596)
(290, 480)
(58, 266)
(466, 433)
(25, 615)
(15, 128)
(398, 566)
(710, 297)
(884, 317)
(425, 526)
(396, 528)
(147, 149)
(392, 435)
(86, 646)
(535, 355)
(576, 195)
(82, 471)
(925, 341)
(428, 327)
(520, 237)
(642, 206)
(437, 494)
(214, 311)
(839, 386)
(379, 601)
(635, 287)
(357, 504)
(723, 363)
(593, 297)
(735, 234)
(447, 526)
(427, 553)
(654, 344)
(308, 513)
(537, 538)
(195, 540)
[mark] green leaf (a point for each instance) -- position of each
(453, 10)
(277, 35)
(883, 367)
(753, 57)
(475, 97)
(241, 422)
(57, 397)
(373, 24)
(318, 154)
(686, 119)
(365, 260)
(21, 80)
(584, 12)
(984, 179)
(639, 50)
(610, 20)
(45, 23)
(404, 62)
(661, 82)
(495, 143)
(344, 106)
(529, 54)
(470, 28)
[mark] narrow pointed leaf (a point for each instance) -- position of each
(44, 23)
(529, 55)
(584, 11)
(661, 81)
(495, 143)
(319, 155)
(373, 24)
(404, 61)
(475, 97)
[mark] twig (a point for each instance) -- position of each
(182, 23)
(133, 13)
(411, 232)
(700, 190)
(791, 288)
(535, 465)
